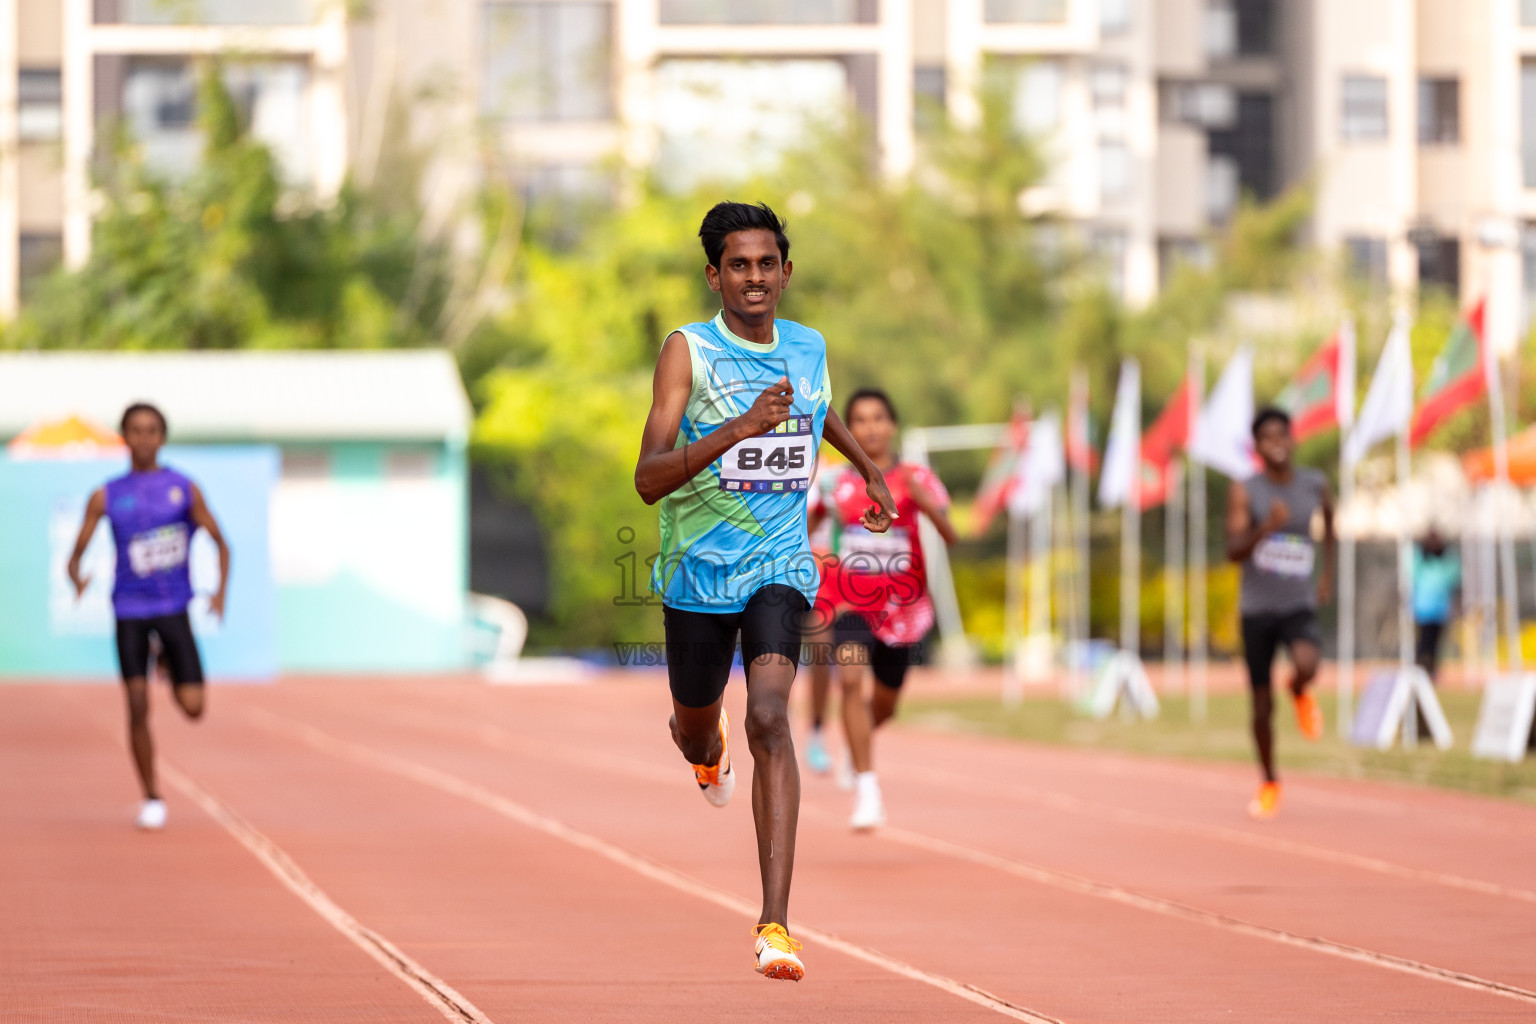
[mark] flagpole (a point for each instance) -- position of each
(1346, 695)
(1081, 576)
(1198, 610)
(1130, 529)
(1508, 581)
(1173, 581)
(1013, 611)
(1060, 522)
(1039, 577)
(1405, 589)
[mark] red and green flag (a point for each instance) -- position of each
(1001, 476)
(1456, 380)
(1163, 441)
(1312, 396)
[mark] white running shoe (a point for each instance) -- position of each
(869, 805)
(716, 781)
(846, 776)
(151, 815)
(776, 953)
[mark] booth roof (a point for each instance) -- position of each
(245, 396)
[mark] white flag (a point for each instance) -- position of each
(1344, 387)
(1043, 467)
(1122, 452)
(1224, 429)
(1388, 407)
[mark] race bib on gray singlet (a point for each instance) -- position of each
(1285, 554)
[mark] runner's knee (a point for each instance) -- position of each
(767, 724)
(138, 701)
(191, 700)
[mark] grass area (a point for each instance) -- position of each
(1225, 737)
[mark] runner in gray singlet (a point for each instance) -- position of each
(1269, 531)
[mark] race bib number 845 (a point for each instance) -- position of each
(779, 460)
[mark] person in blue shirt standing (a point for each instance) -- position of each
(1436, 577)
(154, 510)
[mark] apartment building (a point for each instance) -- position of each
(1414, 119)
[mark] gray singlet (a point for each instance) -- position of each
(1277, 575)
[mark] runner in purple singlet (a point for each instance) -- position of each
(154, 511)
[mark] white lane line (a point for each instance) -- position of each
(465, 790)
(498, 737)
(943, 778)
(438, 993)
(1170, 908)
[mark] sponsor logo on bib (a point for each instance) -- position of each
(158, 550)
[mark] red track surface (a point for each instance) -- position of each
(421, 850)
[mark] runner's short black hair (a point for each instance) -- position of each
(872, 393)
(1270, 412)
(122, 427)
(725, 218)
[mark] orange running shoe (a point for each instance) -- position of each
(1309, 716)
(717, 781)
(776, 953)
(1267, 803)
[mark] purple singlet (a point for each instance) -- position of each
(151, 516)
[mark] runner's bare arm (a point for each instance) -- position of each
(201, 516)
(94, 510)
(877, 518)
(663, 468)
(1243, 535)
(929, 506)
(1325, 578)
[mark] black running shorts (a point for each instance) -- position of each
(1263, 635)
(701, 645)
(888, 661)
(176, 642)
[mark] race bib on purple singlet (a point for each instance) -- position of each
(1285, 554)
(158, 550)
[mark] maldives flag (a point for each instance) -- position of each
(1001, 477)
(1312, 396)
(1163, 440)
(1456, 380)
(1081, 454)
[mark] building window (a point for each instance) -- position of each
(1527, 276)
(547, 61)
(1108, 84)
(1037, 97)
(1528, 122)
(38, 255)
(1174, 253)
(1440, 264)
(1025, 12)
(1364, 108)
(159, 107)
(928, 92)
(564, 199)
(1202, 104)
(1528, 13)
(1255, 27)
(1223, 187)
(40, 105)
(1439, 111)
(1366, 260)
(1108, 246)
(1220, 28)
(1250, 143)
(1114, 16)
(1114, 171)
(753, 12)
(725, 120)
(206, 12)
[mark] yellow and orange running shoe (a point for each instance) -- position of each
(776, 953)
(716, 781)
(1309, 716)
(1267, 803)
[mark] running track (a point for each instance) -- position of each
(433, 849)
